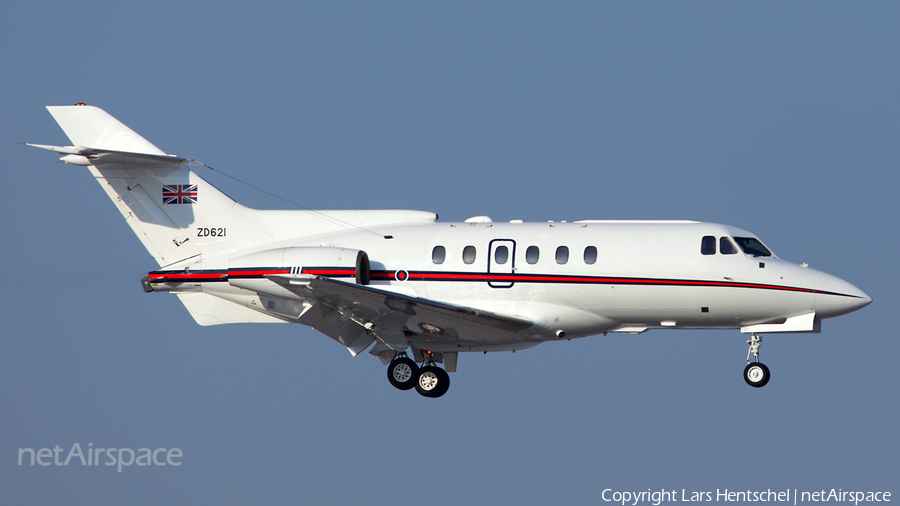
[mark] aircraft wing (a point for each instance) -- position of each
(358, 315)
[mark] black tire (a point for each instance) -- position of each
(403, 373)
(443, 383)
(432, 381)
(756, 374)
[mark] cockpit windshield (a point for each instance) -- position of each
(752, 246)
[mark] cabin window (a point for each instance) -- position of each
(469, 254)
(708, 245)
(532, 254)
(562, 255)
(590, 255)
(726, 247)
(501, 254)
(752, 246)
(438, 254)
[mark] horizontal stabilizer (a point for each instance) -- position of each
(93, 156)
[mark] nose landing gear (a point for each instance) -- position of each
(756, 374)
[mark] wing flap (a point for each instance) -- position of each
(328, 321)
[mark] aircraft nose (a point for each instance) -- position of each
(835, 297)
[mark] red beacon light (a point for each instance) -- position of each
(80, 103)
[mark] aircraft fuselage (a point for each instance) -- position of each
(570, 279)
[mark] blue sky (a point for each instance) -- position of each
(779, 118)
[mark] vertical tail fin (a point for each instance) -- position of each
(92, 127)
(174, 212)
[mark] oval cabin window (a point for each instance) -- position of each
(438, 254)
(469, 255)
(501, 254)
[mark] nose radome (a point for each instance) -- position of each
(835, 297)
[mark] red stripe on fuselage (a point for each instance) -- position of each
(537, 278)
(243, 273)
(330, 272)
(180, 276)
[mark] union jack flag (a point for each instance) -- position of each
(179, 194)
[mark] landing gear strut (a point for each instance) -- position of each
(429, 380)
(756, 374)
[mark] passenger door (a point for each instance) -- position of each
(501, 263)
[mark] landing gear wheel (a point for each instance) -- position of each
(756, 374)
(403, 373)
(432, 381)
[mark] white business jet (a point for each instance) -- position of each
(401, 282)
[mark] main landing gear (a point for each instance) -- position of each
(756, 374)
(429, 380)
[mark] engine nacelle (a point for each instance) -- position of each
(250, 271)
